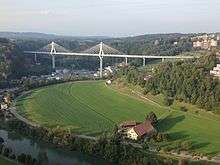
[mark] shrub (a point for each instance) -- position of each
(13, 157)
(152, 117)
(1, 148)
(6, 152)
(184, 109)
(144, 92)
(186, 145)
(161, 137)
(168, 101)
(21, 158)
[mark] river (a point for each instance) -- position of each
(55, 156)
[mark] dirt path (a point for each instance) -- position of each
(13, 111)
(141, 97)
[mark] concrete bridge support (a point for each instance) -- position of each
(163, 59)
(101, 53)
(53, 62)
(101, 66)
(126, 60)
(35, 58)
(144, 62)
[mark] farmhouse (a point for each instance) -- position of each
(142, 130)
(135, 131)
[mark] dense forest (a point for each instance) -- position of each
(187, 81)
(153, 44)
(11, 60)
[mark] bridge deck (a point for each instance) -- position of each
(113, 55)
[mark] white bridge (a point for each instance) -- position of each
(101, 50)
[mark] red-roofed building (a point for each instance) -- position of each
(128, 124)
(144, 129)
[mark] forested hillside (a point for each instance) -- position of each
(4, 63)
(187, 81)
(154, 44)
(12, 61)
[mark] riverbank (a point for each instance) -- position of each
(44, 152)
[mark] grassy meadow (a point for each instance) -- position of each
(86, 107)
(91, 107)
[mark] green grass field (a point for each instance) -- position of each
(90, 107)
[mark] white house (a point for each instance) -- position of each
(131, 134)
(4, 106)
(108, 82)
(216, 71)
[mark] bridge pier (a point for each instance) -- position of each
(101, 53)
(144, 62)
(53, 62)
(163, 59)
(100, 66)
(126, 60)
(35, 58)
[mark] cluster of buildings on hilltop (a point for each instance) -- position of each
(135, 131)
(206, 41)
(216, 71)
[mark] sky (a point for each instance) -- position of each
(114, 18)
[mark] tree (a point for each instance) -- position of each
(168, 100)
(152, 118)
(42, 158)
(21, 158)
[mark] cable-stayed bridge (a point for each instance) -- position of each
(101, 50)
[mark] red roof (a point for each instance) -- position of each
(143, 128)
(128, 124)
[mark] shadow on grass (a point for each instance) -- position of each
(196, 145)
(167, 123)
(214, 153)
(25, 98)
(95, 134)
(178, 135)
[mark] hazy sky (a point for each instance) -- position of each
(110, 17)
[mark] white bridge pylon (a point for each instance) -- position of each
(52, 51)
(101, 50)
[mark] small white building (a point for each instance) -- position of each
(108, 82)
(175, 43)
(4, 106)
(108, 68)
(216, 71)
(213, 43)
(131, 134)
(95, 75)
